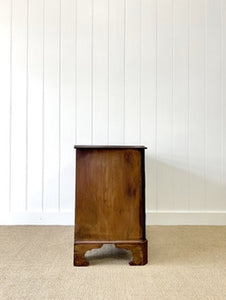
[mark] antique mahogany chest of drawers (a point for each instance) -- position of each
(110, 200)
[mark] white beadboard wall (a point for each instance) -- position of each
(149, 72)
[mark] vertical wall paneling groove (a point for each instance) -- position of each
(213, 105)
(27, 86)
(140, 75)
(84, 72)
(148, 95)
(171, 170)
(223, 95)
(34, 105)
(43, 102)
(180, 105)
(205, 105)
(67, 96)
(10, 106)
(164, 122)
(108, 78)
(132, 60)
(188, 104)
(149, 72)
(124, 74)
(75, 67)
(51, 117)
(5, 74)
(116, 71)
(100, 72)
(197, 105)
(92, 12)
(18, 137)
(156, 106)
(59, 110)
(173, 101)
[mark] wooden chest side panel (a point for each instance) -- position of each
(109, 195)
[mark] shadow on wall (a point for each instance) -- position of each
(171, 185)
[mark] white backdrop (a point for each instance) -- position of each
(149, 72)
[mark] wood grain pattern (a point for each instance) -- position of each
(138, 249)
(108, 186)
(139, 252)
(110, 201)
(79, 253)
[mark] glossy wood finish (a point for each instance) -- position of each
(84, 147)
(80, 250)
(110, 200)
(139, 251)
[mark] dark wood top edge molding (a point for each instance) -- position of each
(109, 147)
(111, 241)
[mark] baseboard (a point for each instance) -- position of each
(37, 218)
(186, 218)
(152, 218)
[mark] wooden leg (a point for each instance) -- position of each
(139, 251)
(79, 253)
